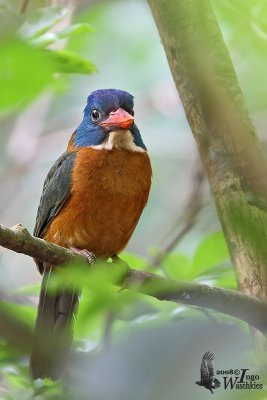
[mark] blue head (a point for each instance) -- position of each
(106, 110)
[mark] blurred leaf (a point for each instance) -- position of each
(68, 62)
(45, 40)
(96, 304)
(78, 276)
(29, 290)
(7, 353)
(20, 312)
(177, 265)
(22, 387)
(51, 37)
(19, 378)
(210, 252)
(41, 20)
(76, 29)
(133, 260)
(100, 295)
(244, 27)
(20, 61)
(228, 281)
(49, 390)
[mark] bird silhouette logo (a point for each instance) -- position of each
(207, 378)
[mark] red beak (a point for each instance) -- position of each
(119, 119)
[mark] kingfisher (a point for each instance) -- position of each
(91, 202)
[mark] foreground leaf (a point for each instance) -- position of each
(68, 62)
(52, 37)
(39, 21)
(210, 252)
(24, 73)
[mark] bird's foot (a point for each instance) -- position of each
(88, 254)
(126, 269)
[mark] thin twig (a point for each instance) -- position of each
(189, 215)
(24, 6)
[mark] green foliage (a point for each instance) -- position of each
(19, 63)
(27, 67)
(133, 259)
(210, 263)
(67, 62)
(52, 37)
(20, 312)
(40, 20)
(145, 334)
(245, 30)
(177, 265)
(130, 313)
(210, 252)
(29, 290)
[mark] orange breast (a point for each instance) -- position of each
(110, 188)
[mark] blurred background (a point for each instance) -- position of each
(126, 50)
(41, 105)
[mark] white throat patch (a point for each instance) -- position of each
(119, 139)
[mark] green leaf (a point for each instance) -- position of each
(76, 29)
(52, 37)
(20, 312)
(40, 20)
(133, 260)
(227, 281)
(244, 26)
(97, 302)
(68, 62)
(177, 265)
(17, 379)
(20, 61)
(44, 40)
(24, 73)
(210, 252)
(28, 290)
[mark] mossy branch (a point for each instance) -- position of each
(242, 306)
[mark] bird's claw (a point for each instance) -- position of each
(88, 254)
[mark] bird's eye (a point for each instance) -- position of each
(95, 114)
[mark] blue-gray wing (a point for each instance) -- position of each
(56, 189)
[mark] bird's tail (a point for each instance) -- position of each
(53, 330)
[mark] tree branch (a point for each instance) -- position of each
(24, 6)
(226, 138)
(242, 306)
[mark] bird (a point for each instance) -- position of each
(207, 378)
(92, 199)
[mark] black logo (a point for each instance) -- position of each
(207, 378)
(238, 378)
